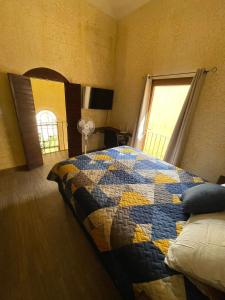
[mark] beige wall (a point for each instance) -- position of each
(71, 37)
(171, 36)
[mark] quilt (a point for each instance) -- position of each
(129, 203)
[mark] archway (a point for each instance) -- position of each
(46, 73)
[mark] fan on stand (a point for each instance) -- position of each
(86, 128)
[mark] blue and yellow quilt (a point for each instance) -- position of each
(129, 204)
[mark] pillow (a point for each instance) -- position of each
(199, 250)
(204, 198)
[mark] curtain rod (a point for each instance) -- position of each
(213, 70)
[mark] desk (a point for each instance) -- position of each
(221, 180)
(113, 137)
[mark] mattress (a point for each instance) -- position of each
(129, 205)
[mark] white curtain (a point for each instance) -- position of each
(140, 129)
(179, 137)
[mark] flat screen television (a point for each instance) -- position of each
(97, 98)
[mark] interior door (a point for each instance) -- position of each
(73, 114)
(24, 105)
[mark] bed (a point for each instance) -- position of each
(129, 205)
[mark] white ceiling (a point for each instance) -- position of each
(118, 8)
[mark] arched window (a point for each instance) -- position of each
(47, 131)
(46, 116)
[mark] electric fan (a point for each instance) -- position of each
(86, 128)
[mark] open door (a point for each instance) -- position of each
(24, 105)
(73, 114)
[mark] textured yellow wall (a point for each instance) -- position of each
(70, 36)
(171, 36)
(99, 116)
(49, 95)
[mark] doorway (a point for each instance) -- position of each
(22, 95)
(49, 103)
(167, 99)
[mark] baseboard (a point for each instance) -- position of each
(13, 169)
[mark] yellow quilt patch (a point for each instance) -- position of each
(163, 245)
(179, 227)
(133, 198)
(102, 157)
(69, 168)
(127, 150)
(176, 199)
(98, 236)
(112, 168)
(140, 235)
(197, 179)
(140, 157)
(99, 224)
(162, 178)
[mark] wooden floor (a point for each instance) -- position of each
(44, 253)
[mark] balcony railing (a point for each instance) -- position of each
(52, 136)
(155, 144)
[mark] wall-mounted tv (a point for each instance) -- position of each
(96, 98)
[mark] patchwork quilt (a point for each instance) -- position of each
(129, 204)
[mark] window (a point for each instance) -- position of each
(168, 96)
(47, 131)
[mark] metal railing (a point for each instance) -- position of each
(155, 144)
(52, 136)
